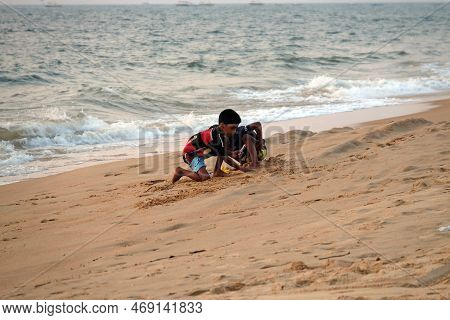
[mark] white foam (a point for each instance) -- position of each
(286, 113)
(6, 147)
(10, 158)
(444, 229)
(325, 89)
(50, 114)
(87, 130)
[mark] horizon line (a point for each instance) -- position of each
(236, 3)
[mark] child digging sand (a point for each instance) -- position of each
(248, 145)
(208, 143)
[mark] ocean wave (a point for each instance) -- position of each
(325, 89)
(439, 69)
(88, 130)
(6, 148)
(58, 129)
(25, 146)
(302, 111)
(10, 157)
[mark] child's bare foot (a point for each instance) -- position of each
(178, 174)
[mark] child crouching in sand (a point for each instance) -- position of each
(208, 143)
(248, 145)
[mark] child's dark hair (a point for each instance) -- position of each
(229, 116)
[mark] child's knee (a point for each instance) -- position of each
(203, 175)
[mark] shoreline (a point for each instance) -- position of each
(316, 124)
(357, 117)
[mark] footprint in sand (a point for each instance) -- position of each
(298, 266)
(344, 297)
(174, 227)
(114, 174)
(12, 223)
(124, 244)
(116, 264)
(119, 255)
(193, 276)
(233, 286)
(9, 239)
(42, 284)
(301, 283)
(399, 202)
(197, 292)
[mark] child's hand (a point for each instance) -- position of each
(246, 169)
(220, 173)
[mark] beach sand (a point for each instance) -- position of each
(346, 213)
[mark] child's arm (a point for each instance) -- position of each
(217, 171)
(235, 164)
(257, 127)
(220, 159)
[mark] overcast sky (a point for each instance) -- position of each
(197, 1)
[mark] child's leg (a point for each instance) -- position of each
(251, 148)
(200, 175)
(198, 172)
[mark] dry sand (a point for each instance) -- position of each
(355, 215)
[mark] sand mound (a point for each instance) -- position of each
(396, 128)
(392, 129)
(347, 146)
(336, 130)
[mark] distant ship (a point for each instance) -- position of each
(205, 4)
(255, 3)
(51, 4)
(184, 3)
